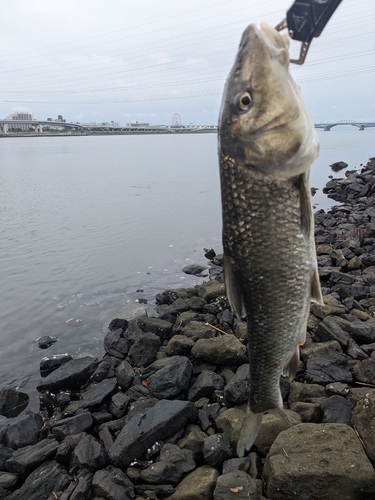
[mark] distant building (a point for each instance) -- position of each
(20, 115)
(138, 125)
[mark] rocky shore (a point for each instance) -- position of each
(158, 417)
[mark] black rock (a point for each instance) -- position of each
(362, 332)
(244, 486)
(144, 350)
(183, 459)
(194, 269)
(7, 480)
(337, 410)
(28, 458)
(112, 484)
(141, 432)
(237, 390)
(161, 472)
(5, 453)
(157, 326)
(12, 402)
(47, 478)
(125, 375)
(206, 383)
(115, 344)
(72, 425)
(90, 454)
(216, 449)
(172, 379)
(70, 375)
(45, 342)
(338, 165)
(96, 393)
(234, 464)
(48, 365)
(364, 371)
(328, 329)
(117, 323)
(23, 431)
(105, 369)
(333, 368)
(119, 404)
(209, 253)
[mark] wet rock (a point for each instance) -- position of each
(333, 368)
(236, 486)
(157, 326)
(338, 165)
(211, 290)
(230, 421)
(198, 485)
(320, 350)
(23, 431)
(119, 403)
(48, 365)
(305, 392)
(45, 342)
(112, 484)
(47, 478)
(193, 440)
(115, 344)
(224, 350)
(28, 458)
(161, 472)
(206, 383)
(105, 369)
(117, 323)
(364, 371)
(271, 428)
(325, 459)
(70, 375)
(12, 402)
(125, 374)
(336, 410)
(194, 269)
(171, 379)
(72, 425)
(155, 424)
(96, 393)
(237, 389)
(179, 345)
(89, 453)
(182, 458)
(216, 449)
(144, 350)
(309, 412)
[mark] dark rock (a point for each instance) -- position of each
(47, 478)
(223, 350)
(320, 350)
(206, 383)
(235, 486)
(112, 484)
(12, 402)
(338, 165)
(329, 330)
(115, 344)
(82, 489)
(193, 439)
(23, 431)
(119, 403)
(177, 307)
(355, 352)
(141, 432)
(198, 485)
(209, 253)
(362, 332)
(179, 345)
(7, 480)
(363, 421)
(29, 457)
(5, 453)
(333, 368)
(70, 375)
(336, 410)
(96, 393)
(309, 412)
(90, 454)
(154, 489)
(161, 472)
(45, 342)
(230, 421)
(172, 379)
(72, 425)
(47, 365)
(125, 375)
(325, 459)
(196, 303)
(198, 330)
(105, 369)
(183, 459)
(144, 350)
(157, 326)
(364, 371)
(211, 290)
(337, 389)
(271, 428)
(117, 323)
(305, 392)
(216, 449)
(237, 390)
(194, 269)
(235, 464)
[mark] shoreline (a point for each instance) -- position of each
(158, 416)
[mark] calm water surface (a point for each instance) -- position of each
(88, 221)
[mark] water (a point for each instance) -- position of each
(88, 221)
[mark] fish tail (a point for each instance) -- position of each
(249, 431)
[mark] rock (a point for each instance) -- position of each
(320, 350)
(236, 486)
(105, 369)
(117, 323)
(230, 421)
(198, 330)
(362, 332)
(318, 461)
(23, 431)
(337, 389)
(206, 383)
(329, 330)
(179, 345)
(47, 478)
(96, 393)
(125, 374)
(224, 350)
(211, 290)
(7, 480)
(112, 484)
(119, 403)
(309, 412)
(193, 440)
(336, 410)
(216, 449)
(45, 342)
(305, 392)
(161, 472)
(237, 389)
(209, 253)
(338, 165)
(29, 457)
(236, 464)
(69, 375)
(115, 344)
(331, 306)
(332, 368)
(364, 423)
(5, 453)
(364, 371)
(172, 379)
(144, 350)
(48, 365)
(196, 303)
(157, 326)
(72, 425)
(182, 458)
(271, 428)
(12, 402)
(198, 485)
(355, 352)
(194, 269)
(143, 430)
(89, 453)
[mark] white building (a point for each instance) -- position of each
(21, 115)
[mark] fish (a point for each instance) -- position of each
(266, 144)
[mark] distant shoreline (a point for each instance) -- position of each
(153, 132)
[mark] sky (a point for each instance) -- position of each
(145, 60)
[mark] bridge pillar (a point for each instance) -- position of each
(327, 129)
(4, 128)
(361, 127)
(39, 129)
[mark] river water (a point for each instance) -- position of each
(88, 221)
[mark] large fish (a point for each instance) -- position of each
(267, 143)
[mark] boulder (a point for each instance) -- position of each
(223, 350)
(112, 484)
(29, 457)
(364, 423)
(198, 485)
(236, 485)
(237, 389)
(271, 428)
(96, 393)
(23, 430)
(69, 375)
(144, 350)
(333, 368)
(12, 402)
(171, 379)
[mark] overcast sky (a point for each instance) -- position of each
(124, 60)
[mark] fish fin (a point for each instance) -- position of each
(290, 368)
(306, 209)
(316, 292)
(234, 294)
(249, 431)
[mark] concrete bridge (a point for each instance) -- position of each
(5, 125)
(360, 125)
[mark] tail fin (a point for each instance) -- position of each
(249, 431)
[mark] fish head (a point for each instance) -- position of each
(263, 122)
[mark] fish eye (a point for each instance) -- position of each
(243, 101)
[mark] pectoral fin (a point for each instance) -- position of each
(307, 222)
(316, 292)
(233, 289)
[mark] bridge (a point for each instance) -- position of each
(5, 125)
(360, 125)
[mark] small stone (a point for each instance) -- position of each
(236, 486)
(230, 421)
(172, 379)
(119, 404)
(12, 402)
(182, 458)
(198, 485)
(115, 344)
(309, 412)
(235, 464)
(336, 410)
(161, 472)
(125, 374)
(237, 389)
(211, 290)
(337, 389)
(216, 449)
(7, 480)
(206, 383)
(45, 342)
(179, 345)
(223, 350)
(364, 371)
(117, 323)
(193, 440)
(96, 393)
(194, 269)
(112, 484)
